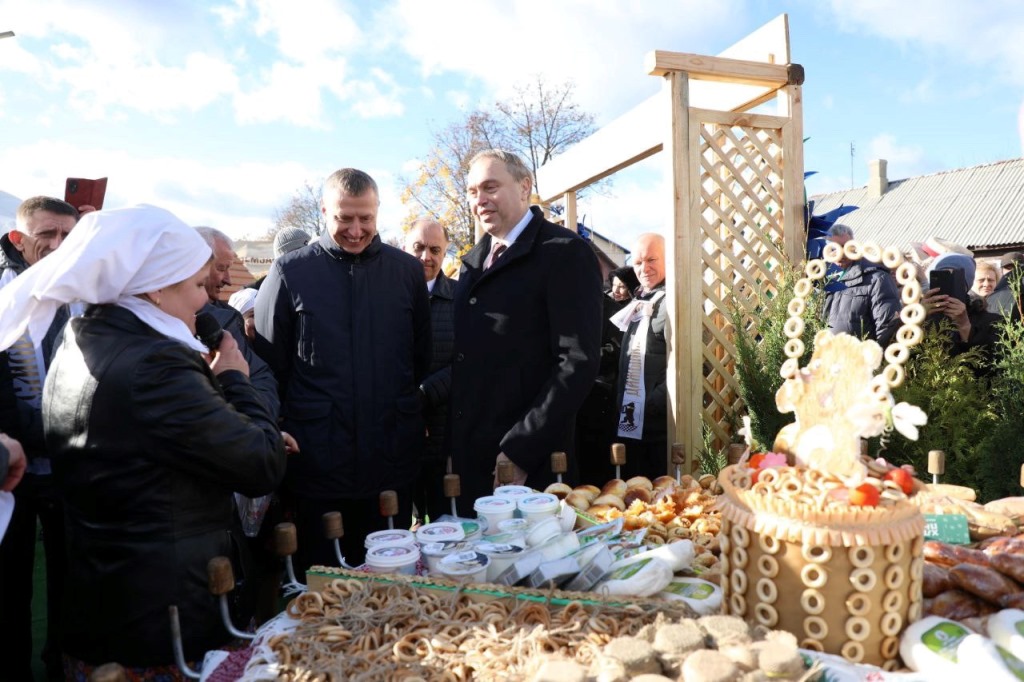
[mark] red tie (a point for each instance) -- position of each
(496, 252)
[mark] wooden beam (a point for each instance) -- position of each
(721, 69)
(637, 134)
(570, 211)
(794, 229)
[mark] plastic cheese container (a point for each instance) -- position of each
(390, 537)
(433, 552)
(641, 577)
(501, 555)
(440, 532)
(468, 566)
(537, 506)
(558, 546)
(513, 491)
(1006, 629)
(542, 531)
(492, 510)
(393, 559)
(702, 596)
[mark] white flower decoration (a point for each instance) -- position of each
(906, 418)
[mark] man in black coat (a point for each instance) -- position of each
(527, 334)
(427, 240)
(344, 323)
(864, 301)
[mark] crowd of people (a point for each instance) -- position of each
(353, 367)
(862, 298)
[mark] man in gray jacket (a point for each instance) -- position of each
(866, 302)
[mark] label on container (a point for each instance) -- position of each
(499, 548)
(441, 531)
(696, 591)
(494, 504)
(539, 500)
(944, 638)
(392, 551)
(629, 570)
(464, 562)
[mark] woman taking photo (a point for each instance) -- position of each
(149, 436)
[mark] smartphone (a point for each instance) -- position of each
(949, 282)
(85, 192)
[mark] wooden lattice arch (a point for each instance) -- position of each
(736, 208)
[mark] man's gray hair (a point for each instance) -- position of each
(351, 182)
(516, 168)
(840, 230)
(212, 235)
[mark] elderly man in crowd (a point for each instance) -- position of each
(345, 325)
(260, 375)
(42, 224)
(641, 394)
(428, 240)
(527, 334)
(865, 303)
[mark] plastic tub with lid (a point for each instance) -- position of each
(492, 509)
(440, 532)
(390, 537)
(501, 554)
(393, 559)
(468, 566)
(537, 506)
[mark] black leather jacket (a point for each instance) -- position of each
(147, 447)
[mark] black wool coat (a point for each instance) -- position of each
(527, 350)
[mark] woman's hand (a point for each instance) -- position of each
(228, 356)
(953, 308)
(291, 446)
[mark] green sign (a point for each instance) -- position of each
(948, 528)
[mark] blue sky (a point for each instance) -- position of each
(218, 110)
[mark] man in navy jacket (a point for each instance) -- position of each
(344, 323)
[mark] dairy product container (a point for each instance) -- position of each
(393, 559)
(513, 491)
(702, 596)
(554, 572)
(501, 554)
(468, 566)
(492, 510)
(390, 537)
(558, 546)
(440, 532)
(433, 552)
(542, 531)
(537, 506)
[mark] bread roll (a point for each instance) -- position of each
(633, 494)
(605, 512)
(559, 490)
(611, 501)
(663, 482)
(577, 500)
(640, 482)
(591, 491)
(616, 487)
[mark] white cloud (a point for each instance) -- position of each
(289, 93)
(904, 161)
(307, 30)
(236, 197)
(980, 32)
(601, 46)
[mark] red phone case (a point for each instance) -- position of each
(85, 192)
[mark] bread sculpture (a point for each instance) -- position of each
(816, 539)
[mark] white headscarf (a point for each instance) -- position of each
(108, 258)
(243, 300)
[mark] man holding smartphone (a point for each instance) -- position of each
(866, 303)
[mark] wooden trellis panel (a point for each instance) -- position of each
(742, 205)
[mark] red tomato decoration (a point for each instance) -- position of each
(864, 495)
(902, 478)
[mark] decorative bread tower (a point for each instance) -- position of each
(825, 543)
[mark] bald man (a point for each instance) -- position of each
(427, 240)
(641, 391)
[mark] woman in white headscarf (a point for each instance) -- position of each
(148, 437)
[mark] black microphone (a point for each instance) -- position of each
(208, 331)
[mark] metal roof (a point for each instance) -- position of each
(981, 207)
